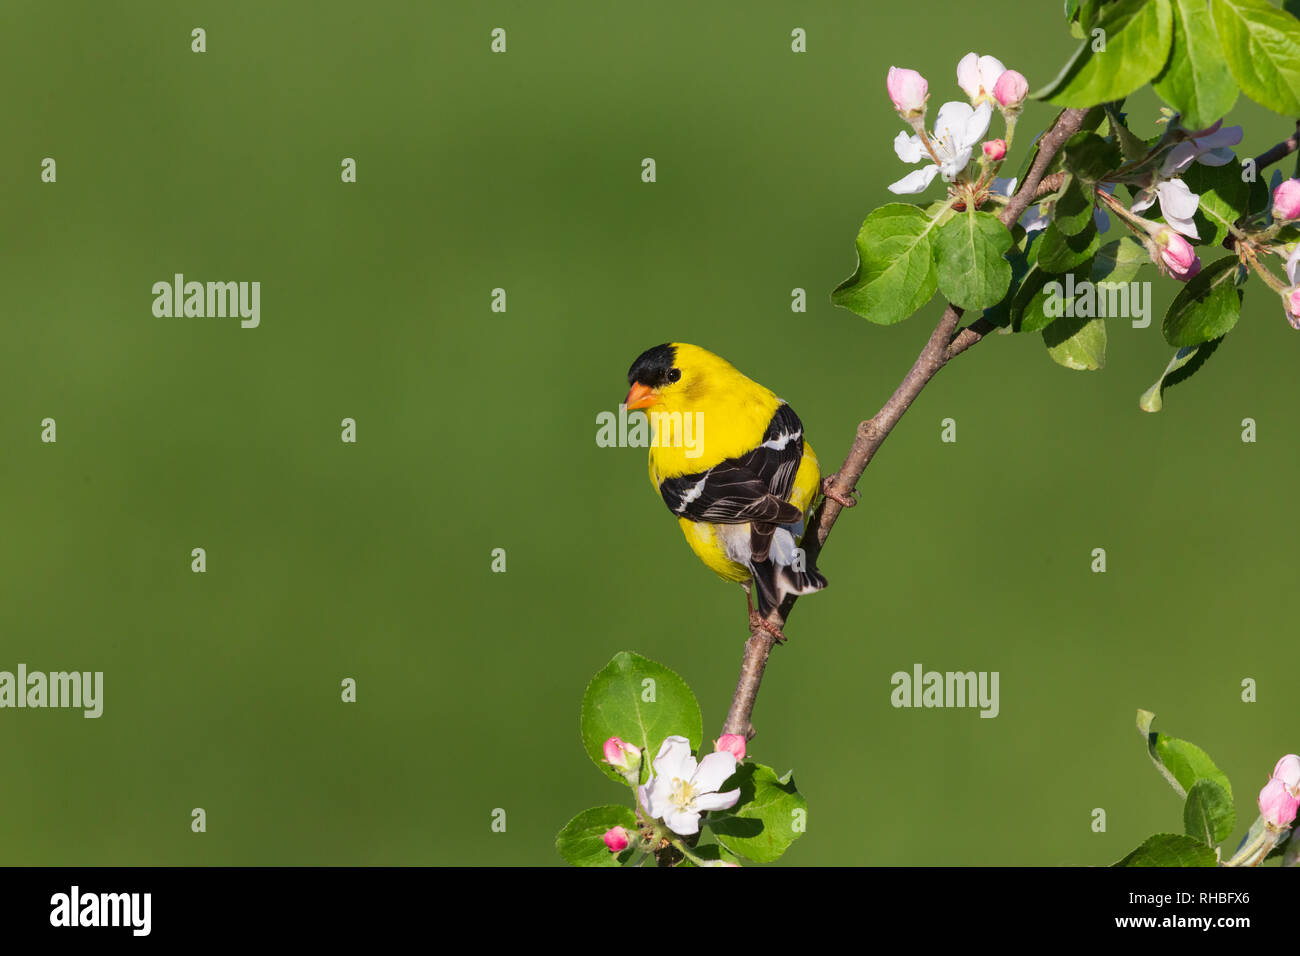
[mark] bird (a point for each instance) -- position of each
(730, 460)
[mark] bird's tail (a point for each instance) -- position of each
(781, 573)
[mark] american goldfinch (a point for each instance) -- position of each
(729, 459)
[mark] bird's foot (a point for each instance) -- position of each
(845, 501)
(758, 622)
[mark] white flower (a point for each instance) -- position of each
(1178, 204)
(1293, 266)
(1004, 187)
(1208, 150)
(977, 75)
(680, 790)
(957, 130)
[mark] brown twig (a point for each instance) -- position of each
(1281, 151)
(872, 433)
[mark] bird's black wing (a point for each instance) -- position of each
(753, 487)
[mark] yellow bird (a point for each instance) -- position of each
(730, 460)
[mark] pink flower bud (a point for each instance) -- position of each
(733, 744)
(995, 149)
(1177, 254)
(616, 839)
(1286, 200)
(1288, 768)
(1011, 89)
(908, 91)
(622, 756)
(1276, 804)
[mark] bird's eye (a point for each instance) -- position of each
(674, 374)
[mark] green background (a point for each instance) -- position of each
(476, 430)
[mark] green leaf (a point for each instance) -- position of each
(1090, 157)
(641, 702)
(969, 251)
(1138, 34)
(1059, 253)
(1026, 312)
(1262, 47)
(1196, 80)
(896, 273)
(1208, 814)
(712, 852)
(1000, 314)
(1207, 307)
(1171, 849)
(1073, 211)
(1181, 763)
(1185, 363)
(1225, 198)
(1077, 343)
(581, 840)
(1119, 260)
(770, 815)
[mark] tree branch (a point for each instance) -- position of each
(1281, 151)
(943, 344)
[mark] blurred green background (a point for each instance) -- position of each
(476, 430)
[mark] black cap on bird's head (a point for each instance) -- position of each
(653, 369)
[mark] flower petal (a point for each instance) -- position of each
(1178, 159)
(951, 120)
(954, 162)
(908, 148)
(990, 69)
(1177, 199)
(675, 758)
(915, 181)
(1004, 187)
(1293, 264)
(717, 801)
(1216, 157)
(1143, 200)
(684, 822)
(968, 75)
(714, 771)
(976, 126)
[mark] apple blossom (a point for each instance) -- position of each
(1291, 297)
(681, 789)
(1209, 147)
(1286, 200)
(1177, 254)
(1010, 90)
(957, 129)
(908, 90)
(978, 75)
(995, 149)
(1288, 771)
(616, 839)
(733, 744)
(1178, 204)
(1276, 804)
(623, 757)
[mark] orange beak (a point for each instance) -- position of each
(641, 396)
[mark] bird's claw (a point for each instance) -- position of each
(758, 622)
(845, 501)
